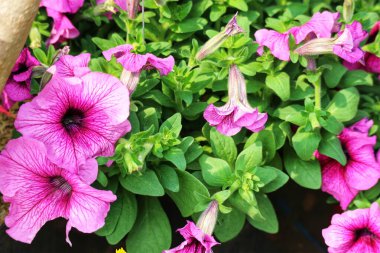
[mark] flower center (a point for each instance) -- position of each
(363, 232)
(61, 184)
(22, 68)
(72, 119)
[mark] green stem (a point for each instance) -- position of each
(317, 94)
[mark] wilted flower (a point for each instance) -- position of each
(63, 29)
(17, 87)
(39, 191)
(276, 42)
(361, 171)
(63, 6)
(232, 28)
(356, 231)
(198, 238)
(134, 63)
(237, 112)
(77, 121)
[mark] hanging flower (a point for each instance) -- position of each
(198, 238)
(63, 29)
(39, 191)
(17, 87)
(134, 63)
(77, 121)
(356, 231)
(276, 42)
(63, 6)
(232, 28)
(361, 171)
(237, 112)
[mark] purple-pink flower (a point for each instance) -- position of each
(361, 171)
(278, 43)
(77, 121)
(38, 191)
(237, 112)
(356, 231)
(196, 241)
(17, 87)
(63, 6)
(63, 29)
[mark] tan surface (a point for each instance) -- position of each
(16, 18)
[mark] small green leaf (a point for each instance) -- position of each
(177, 157)
(266, 174)
(330, 146)
(306, 143)
(292, 114)
(223, 146)
(344, 104)
(229, 225)
(249, 209)
(266, 137)
(280, 84)
(268, 221)
(356, 77)
(216, 172)
(189, 25)
(250, 157)
(277, 183)
(168, 178)
(145, 184)
(173, 124)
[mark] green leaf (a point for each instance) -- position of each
(332, 125)
(238, 4)
(266, 137)
(148, 117)
(238, 202)
(268, 221)
(189, 25)
(280, 84)
(292, 114)
(217, 11)
(223, 146)
(330, 146)
(304, 173)
(102, 178)
(229, 225)
(151, 232)
(266, 174)
(127, 218)
(190, 188)
(334, 75)
(173, 124)
(177, 157)
(168, 178)
(305, 143)
(356, 77)
(344, 104)
(250, 157)
(145, 184)
(277, 183)
(193, 152)
(40, 55)
(216, 172)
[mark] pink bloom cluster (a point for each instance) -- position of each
(316, 34)
(355, 231)
(63, 29)
(362, 170)
(47, 173)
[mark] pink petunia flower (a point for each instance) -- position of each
(361, 171)
(198, 238)
(77, 121)
(347, 44)
(39, 191)
(17, 87)
(237, 112)
(356, 231)
(71, 68)
(63, 6)
(135, 63)
(278, 43)
(371, 62)
(63, 29)
(321, 25)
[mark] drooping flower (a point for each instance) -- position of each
(361, 171)
(71, 68)
(356, 231)
(237, 112)
(371, 62)
(108, 6)
(63, 29)
(17, 87)
(232, 28)
(321, 25)
(39, 191)
(134, 63)
(198, 238)
(63, 6)
(77, 121)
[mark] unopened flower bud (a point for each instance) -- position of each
(232, 28)
(348, 10)
(35, 38)
(208, 218)
(130, 80)
(316, 47)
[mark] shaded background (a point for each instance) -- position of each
(302, 215)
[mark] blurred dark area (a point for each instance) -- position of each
(302, 215)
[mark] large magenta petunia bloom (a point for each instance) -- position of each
(356, 231)
(237, 112)
(278, 43)
(77, 121)
(39, 191)
(63, 29)
(196, 241)
(17, 87)
(63, 6)
(361, 171)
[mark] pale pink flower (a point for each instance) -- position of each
(237, 112)
(356, 231)
(63, 6)
(278, 43)
(63, 29)
(77, 121)
(361, 171)
(39, 191)
(17, 87)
